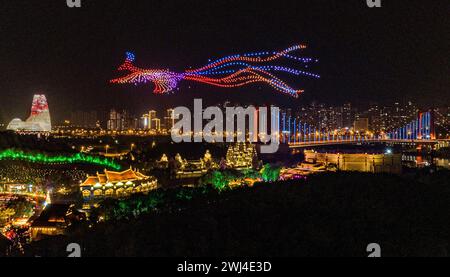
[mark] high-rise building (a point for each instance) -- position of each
(361, 124)
(334, 119)
(169, 119)
(156, 124)
(374, 114)
(114, 121)
(348, 115)
(152, 114)
(145, 122)
(85, 119)
(39, 119)
(148, 119)
(121, 121)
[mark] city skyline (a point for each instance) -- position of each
(379, 117)
(94, 115)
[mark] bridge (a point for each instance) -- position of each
(420, 131)
(354, 141)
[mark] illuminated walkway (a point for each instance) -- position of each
(364, 140)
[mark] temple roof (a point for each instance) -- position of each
(140, 175)
(52, 216)
(102, 179)
(90, 181)
(114, 177)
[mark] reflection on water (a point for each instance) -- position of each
(420, 161)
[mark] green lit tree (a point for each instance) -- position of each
(220, 180)
(270, 173)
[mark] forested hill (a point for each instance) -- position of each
(333, 214)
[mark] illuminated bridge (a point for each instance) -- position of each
(298, 134)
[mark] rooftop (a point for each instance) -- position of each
(114, 177)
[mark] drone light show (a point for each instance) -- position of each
(231, 71)
(11, 154)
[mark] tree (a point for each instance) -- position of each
(219, 180)
(270, 173)
(6, 214)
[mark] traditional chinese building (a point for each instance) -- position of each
(194, 168)
(54, 220)
(242, 156)
(375, 163)
(111, 184)
(163, 163)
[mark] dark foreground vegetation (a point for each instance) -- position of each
(333, 214)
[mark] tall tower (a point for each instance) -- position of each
(40, 113)
(169, 119)
(39, 119)
(426, 129)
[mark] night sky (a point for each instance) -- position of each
(395, 53)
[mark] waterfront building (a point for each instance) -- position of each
(374, 163)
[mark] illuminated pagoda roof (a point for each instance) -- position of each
(53, 215)
(102, 178)
(90, 181)
(114, 177)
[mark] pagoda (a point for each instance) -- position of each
(241, 156)
(113, 184)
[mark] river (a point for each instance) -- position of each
(421, 161)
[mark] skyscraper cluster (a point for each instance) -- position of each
(150, 121)
(375, 118)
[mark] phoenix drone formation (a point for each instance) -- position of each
(228, 72)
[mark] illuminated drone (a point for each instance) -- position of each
(228, 72)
